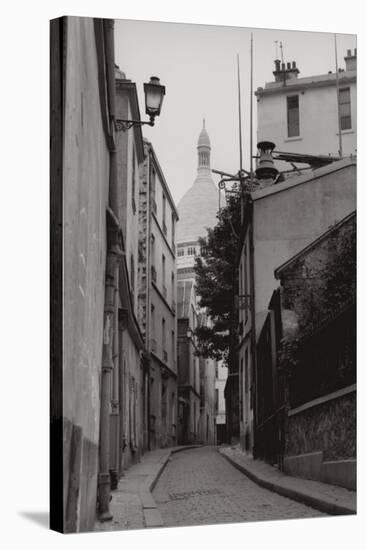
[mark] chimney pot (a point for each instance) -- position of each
(355, 52)
(283, 66)
(288, 66)
(349, 53)
(294, 64)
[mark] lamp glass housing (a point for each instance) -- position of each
(154, 95)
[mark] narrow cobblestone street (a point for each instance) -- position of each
(200, 487)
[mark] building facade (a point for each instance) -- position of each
(197, 212)
(189, 382)
(79, 204)
(97, 331)
(128, 414)
(307, 390)
(220, 409)
(280, 220)
(157, 300)
(300, 115)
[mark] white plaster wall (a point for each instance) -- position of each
(86, 181)
(286, 222)
(318, 122)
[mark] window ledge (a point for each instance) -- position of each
(297, 138)
(343, 132)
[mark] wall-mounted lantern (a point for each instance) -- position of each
(154, 95)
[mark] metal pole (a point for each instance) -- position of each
(251, 107)
(340, 152)
(239, 106)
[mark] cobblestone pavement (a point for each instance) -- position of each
(200, 487)
(127, 513)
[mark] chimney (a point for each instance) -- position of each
(351, 60)
(283, 72)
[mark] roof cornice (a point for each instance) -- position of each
(296, 85)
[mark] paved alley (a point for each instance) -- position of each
(200, 487)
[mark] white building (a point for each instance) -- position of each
(220, 381)
(197, 212)
(300, 115)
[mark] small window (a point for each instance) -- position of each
(293, 119)
(180, 251)
(132, 276)
(133, 193)
(164, 215)
(153, 189)
(173, 231)
(345, 108)
(191, 251)
(163, 335)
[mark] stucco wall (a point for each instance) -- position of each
(318, 121)
(286, 222)
(132, 403)
(86, 178)
(220, 382)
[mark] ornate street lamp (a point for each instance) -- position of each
(154, 95)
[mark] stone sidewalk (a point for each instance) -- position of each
(132, 504)
(327, 498)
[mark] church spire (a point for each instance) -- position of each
(204, 150)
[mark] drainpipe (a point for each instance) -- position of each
(104, 481)
(115, 415)
(105, 30)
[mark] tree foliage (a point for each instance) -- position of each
(321, 297)
(217, 283)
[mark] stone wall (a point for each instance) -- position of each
(329, 427)
(321, 441)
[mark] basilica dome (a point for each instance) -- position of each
(198, 207)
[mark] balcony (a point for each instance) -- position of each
(153, 345)
(165, 356)
(165, 292)
(165, 231)
(154, 207)
(174, 306)
(153, 273)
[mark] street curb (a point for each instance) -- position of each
(152, 516)
(325, 506)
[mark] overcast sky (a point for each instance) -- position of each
(197, 64)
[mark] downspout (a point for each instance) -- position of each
(105, 34)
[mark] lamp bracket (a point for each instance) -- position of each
(124, 125)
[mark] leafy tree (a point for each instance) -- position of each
(217, 285)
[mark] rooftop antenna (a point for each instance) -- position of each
(251, 105)
(276, 42)
(281, 48)
(239, 106)
(340, 152)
